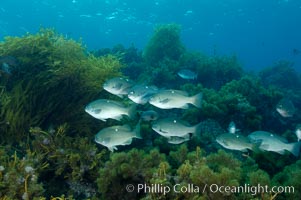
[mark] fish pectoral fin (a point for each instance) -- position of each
(264, 147)
(226, 143)
(128, 142)
(117, 86)
(166, 100)
(97, 111)
(112, 148)
(257, 142)
(162, 131)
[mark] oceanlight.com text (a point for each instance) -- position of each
(212, 188)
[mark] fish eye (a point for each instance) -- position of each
(117, 86)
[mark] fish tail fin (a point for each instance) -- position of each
(197, 100)
(137, 130)
(294, 148)
(132, 111)
(197, 130)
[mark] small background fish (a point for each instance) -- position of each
(7, 63)
(187, 74)
(286, 108)
(118, 86)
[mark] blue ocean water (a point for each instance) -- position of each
(258, 32)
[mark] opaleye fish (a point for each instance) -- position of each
(167, 99)
(169, 127)
(108, 109)
(118, 86)
(187, 74)
(272, 142)
(234, 142)
(117, 135)
(142, 93)
(285, 108)
(149, 115)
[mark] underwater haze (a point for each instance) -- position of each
(150, 99)
(258, 32)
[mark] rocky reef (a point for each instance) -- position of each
(47, 140)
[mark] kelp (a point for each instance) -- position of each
(54, 80)
(165, 43)
(162, 55)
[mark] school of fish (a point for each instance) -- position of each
(175, 130)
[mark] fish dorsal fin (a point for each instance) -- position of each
(163, 101)
(225, 143)
(264, 146)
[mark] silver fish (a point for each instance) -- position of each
(141, 93)
(118, 86)
(117, 135)
(187, 74)
(108, 109)
(272, 142)
(149, 115)
(234, 142)
(7, 63)
(167, 99)
(285, 108)
(169, 127)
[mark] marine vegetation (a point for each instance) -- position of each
(162, 54)
(54, 79)
(288, 177)
(19, 176)
(133, 167)
(165, 44)
(213, 71)
(282, 75)
(48, 145)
